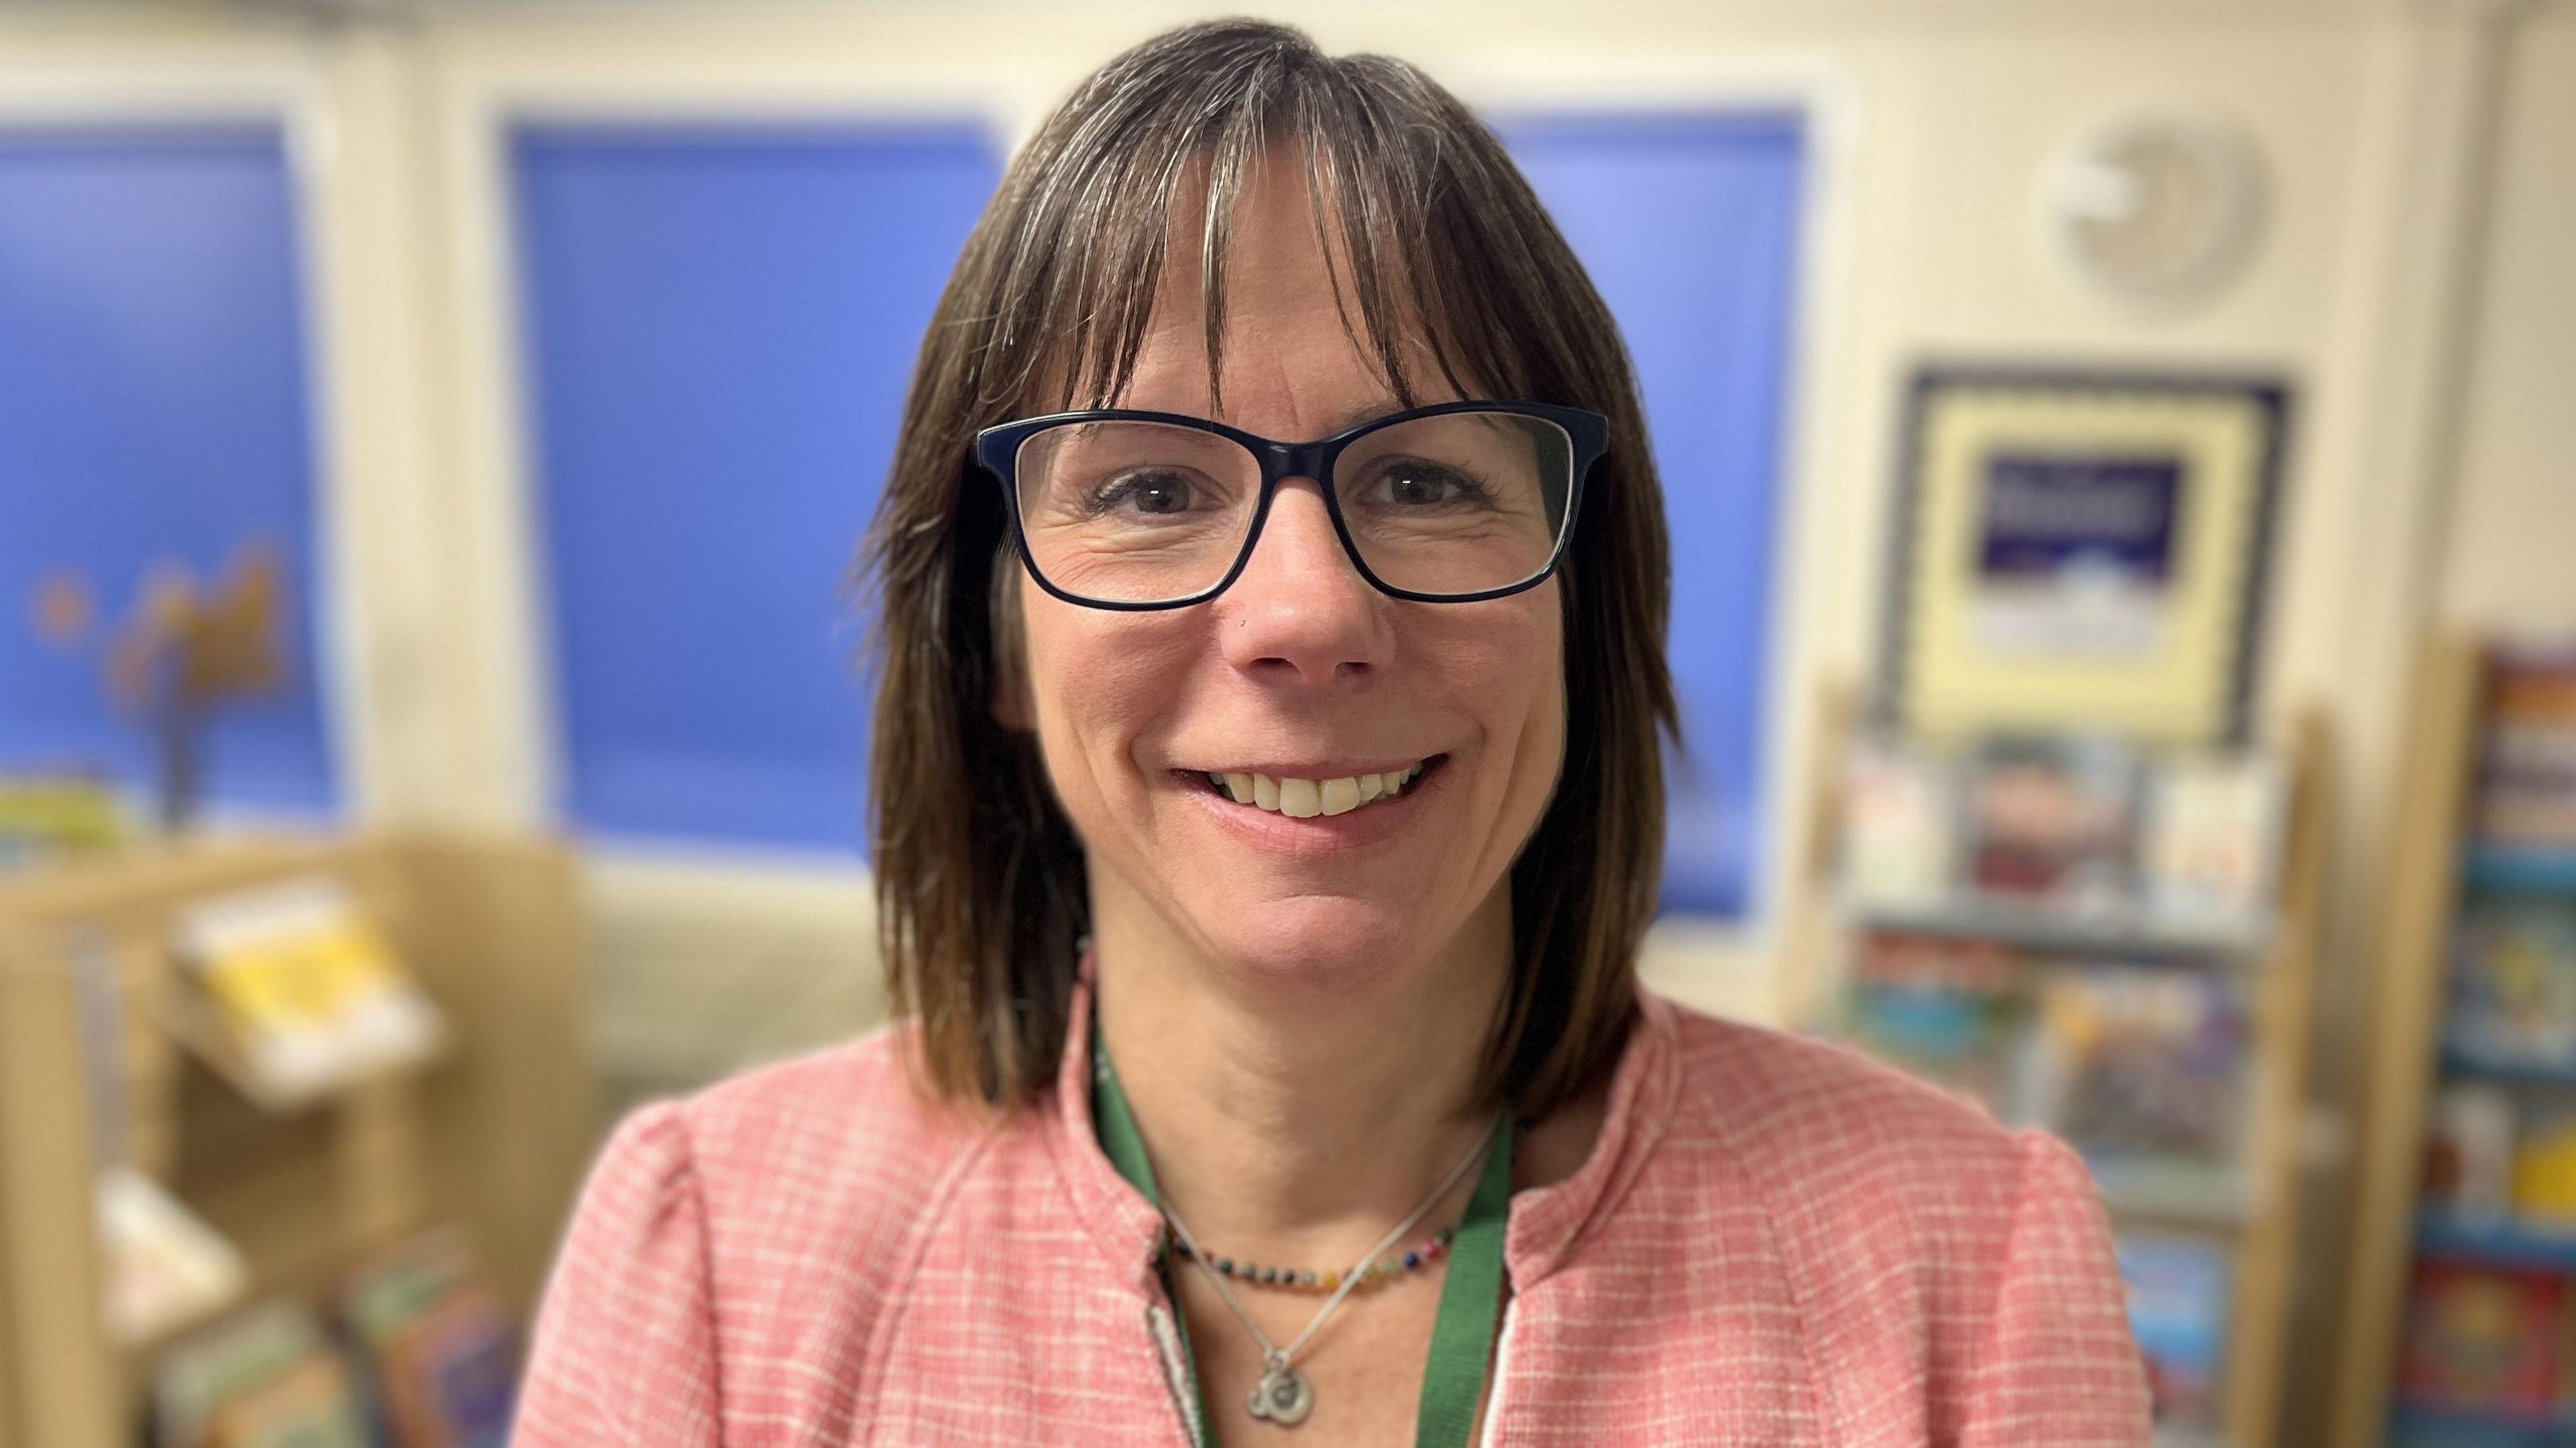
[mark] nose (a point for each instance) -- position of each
(1300, 611)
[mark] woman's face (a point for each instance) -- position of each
(1300, 671)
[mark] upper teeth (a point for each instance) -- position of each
(1306, 798)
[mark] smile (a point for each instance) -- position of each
(1307, 798)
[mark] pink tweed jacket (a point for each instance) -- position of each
(1774, 1243)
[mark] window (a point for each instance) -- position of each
(153, 412)
(722, 324)
(1689, 227)
(721, 327)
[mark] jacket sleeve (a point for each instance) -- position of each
(2058, 1364)
(624, 1348)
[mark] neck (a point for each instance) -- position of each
(1288, 1121)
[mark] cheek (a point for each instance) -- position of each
(1096, 681)
(1541, 753)
(1506, 669)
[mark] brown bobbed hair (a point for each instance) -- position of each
(980, 880)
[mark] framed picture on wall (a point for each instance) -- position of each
(2081, 551)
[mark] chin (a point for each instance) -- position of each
(1328, 944)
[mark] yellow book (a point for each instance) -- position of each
(308, 988)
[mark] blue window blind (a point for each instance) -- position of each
(153, 412)
(1689, 227)
(721, 324)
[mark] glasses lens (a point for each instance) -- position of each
(1463, 502)
(1134, 512)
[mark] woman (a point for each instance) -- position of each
(1265, 834)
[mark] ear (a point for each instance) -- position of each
(1012, 705)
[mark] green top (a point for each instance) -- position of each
(1471, 1299)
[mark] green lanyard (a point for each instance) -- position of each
(1462, 1340)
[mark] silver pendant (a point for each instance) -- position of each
(1283, 1395)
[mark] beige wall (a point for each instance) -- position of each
(2510, 557)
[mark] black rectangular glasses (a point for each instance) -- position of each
(1117, 508)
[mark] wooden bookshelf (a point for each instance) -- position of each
(490, 1135)
(2431, 867)
(2274, 955)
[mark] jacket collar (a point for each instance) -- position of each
(1116, 1215)
(1548, 1224)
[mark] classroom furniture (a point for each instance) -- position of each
(491, 1135)
(2434, 868)
(2257, 1219)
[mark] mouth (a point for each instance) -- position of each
(1303, 798)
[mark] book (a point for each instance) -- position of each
(2213, 835)
(1900, 824)
(42, 816)
(1948, 1010)
(467, 1355)
(2526, 787)
(2513, 983)
(2469, 1160)
(196, 1378)
(2180, 1297)
(309, 1405)
(2140, 1067)
(440, 1352)
(2053, 821)
(164, 1266)
(2482, 1338)
(2544, 1165)
(306, 994)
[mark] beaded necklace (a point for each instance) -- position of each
(1462, 1339)
(1377, 1274)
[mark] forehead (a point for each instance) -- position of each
(1294, 354)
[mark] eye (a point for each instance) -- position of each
(1157, 494)
(1407, 483)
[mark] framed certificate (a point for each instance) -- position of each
(2080, 551)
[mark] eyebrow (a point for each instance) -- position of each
(1351, 417)
(1334, 424)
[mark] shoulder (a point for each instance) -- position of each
(1867, 1173)
(845, 1139)
(824, 1163)
(1823, 1115)
(1938, 1263)
(730, 1235)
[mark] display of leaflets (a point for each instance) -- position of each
(2180, 1294)
(2079, 954)
(2140, 1065)
(2513, 983)
(2083, 841)
(165, 1268)
(2214, 826)
(162, 1269)
(307, 994)
(2053, 821)
(1900, 818)
(441, 1352)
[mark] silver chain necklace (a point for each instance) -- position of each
(1284, 1396)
